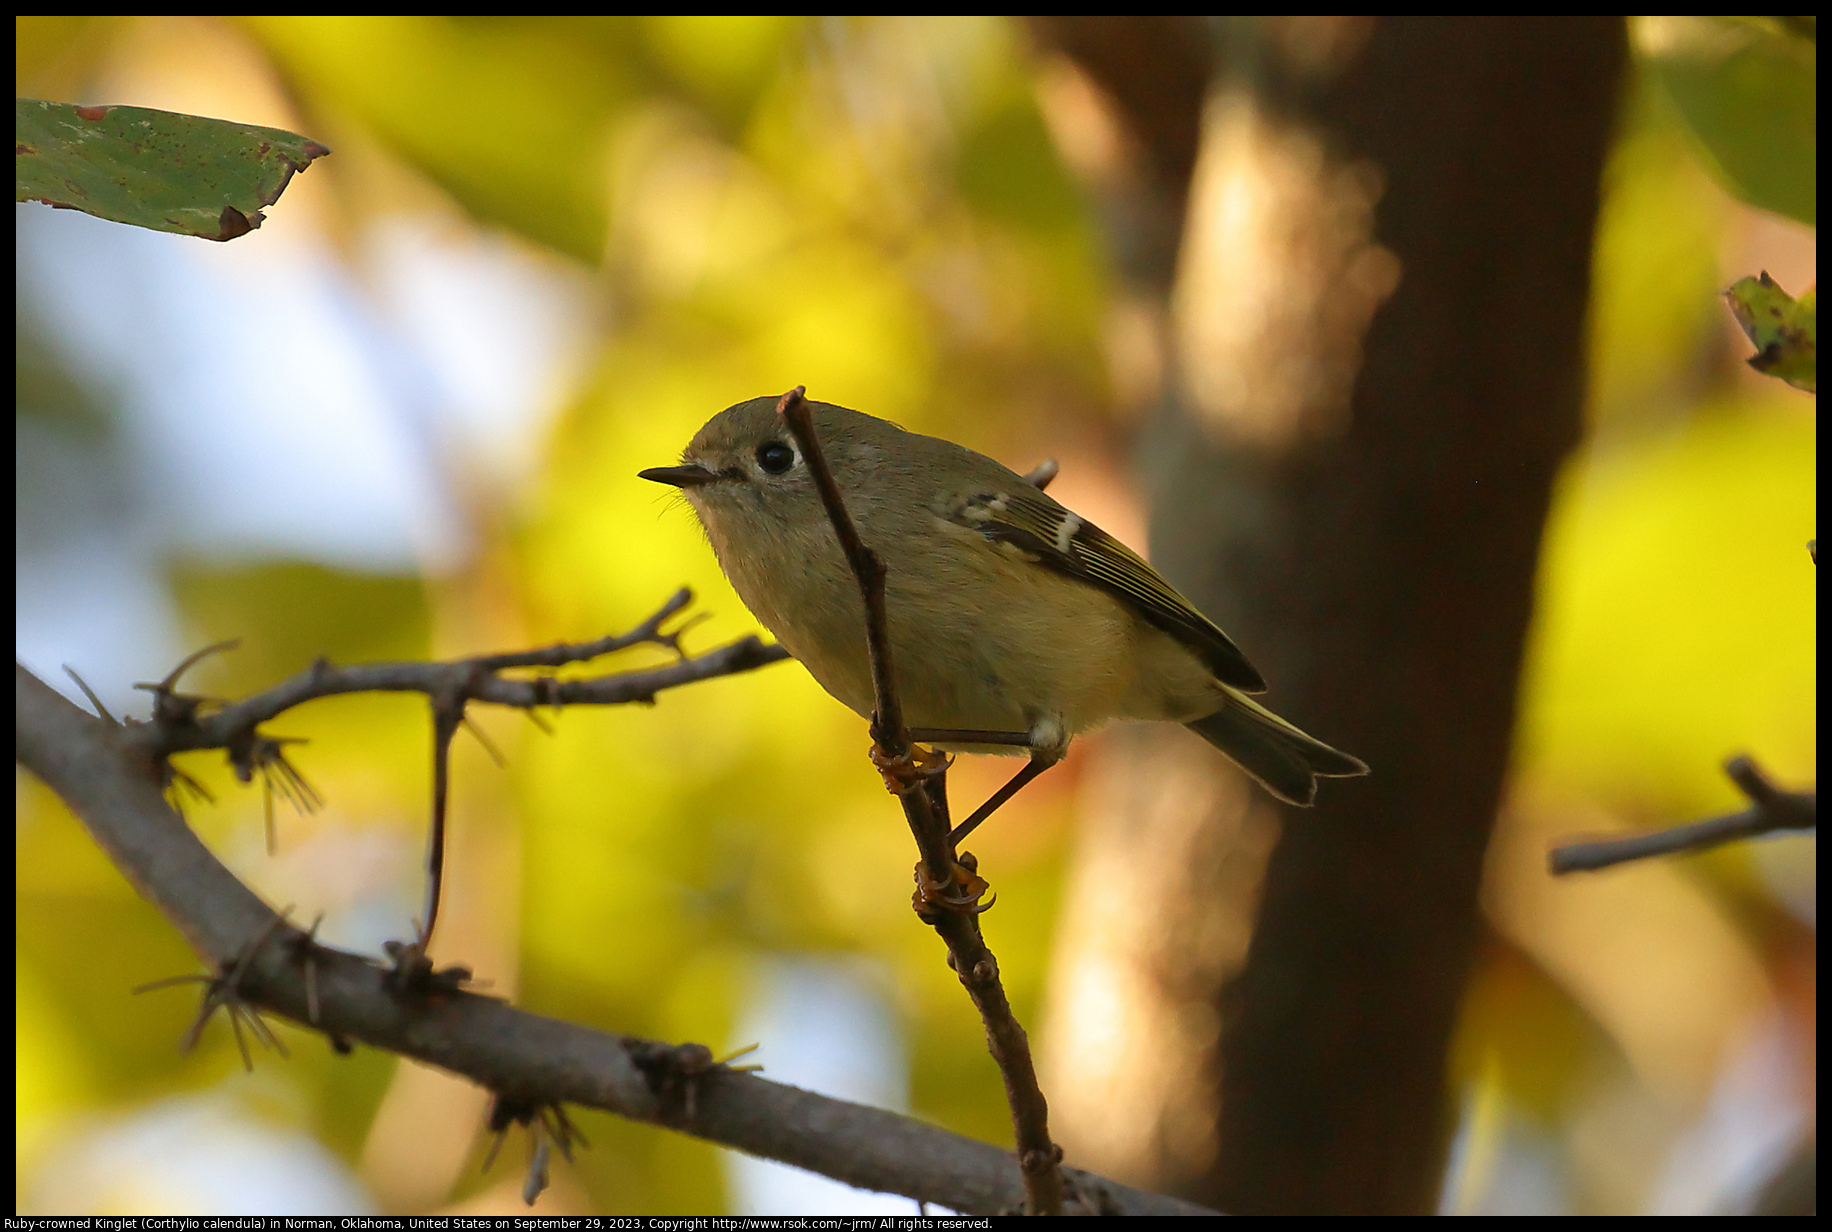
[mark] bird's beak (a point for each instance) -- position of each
(679, 476)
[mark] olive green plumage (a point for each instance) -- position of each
(1007, 611)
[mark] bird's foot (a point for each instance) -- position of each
(905, 774)
(960, 894)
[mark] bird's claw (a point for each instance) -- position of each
(905, 774)
(960, 894)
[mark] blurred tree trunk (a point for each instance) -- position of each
(1375, 350)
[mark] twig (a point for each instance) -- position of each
(219, 727)
(867, 566)
(887, 726)
(111, 785)
(184, 723)
(1774, 810)
(1038, 1157)
(448, 717)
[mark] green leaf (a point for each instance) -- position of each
(1748, 89)
(1784, 329)
(158, 169)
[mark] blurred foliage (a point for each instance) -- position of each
(1654, 317)
(503, 113)
(1675, 626)
(304, 612)
(872, 207)
(191, 175)
(1521, 1032)
(1659, 562)
(1749, 90)
(45, 389)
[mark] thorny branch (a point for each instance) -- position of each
(1772, 810)
(112, 780)
(223, 726)
(1038, 1157)
(184, 722)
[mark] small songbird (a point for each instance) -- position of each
(1007, 612)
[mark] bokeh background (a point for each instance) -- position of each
(404, 418)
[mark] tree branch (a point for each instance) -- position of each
(1039, 1158)
(183, 722)
(1773, 810)
(475, 677)
(107, 777)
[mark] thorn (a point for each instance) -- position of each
(536, 1183)
(100, 710)
(744, 1051)
(176, 672)
(476, 731)
(548, 1126)
(305, 948)
(674, 638)
(172, 708)
(224, 991)
(175, 779)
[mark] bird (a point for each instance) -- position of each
(1007, 612)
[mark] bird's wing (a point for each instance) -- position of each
(1070, 544)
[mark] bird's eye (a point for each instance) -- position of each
(775, 457)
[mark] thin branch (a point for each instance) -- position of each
(559, 655)
(112, 785)
(1038, 1157)
(867, 566)
(1773, 810)
(184, 722)
(448, 717)
(476, 678)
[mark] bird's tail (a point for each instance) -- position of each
(1286, 762)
